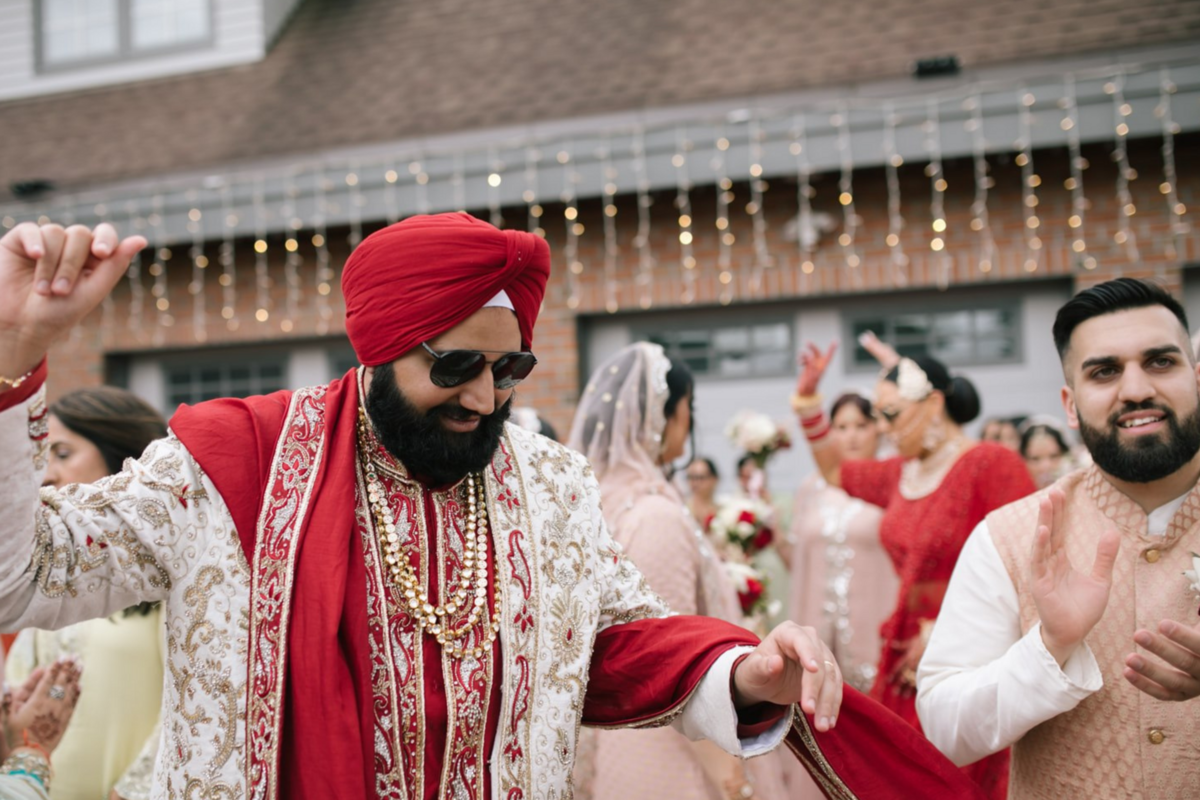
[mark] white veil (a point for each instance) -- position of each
(620, 421)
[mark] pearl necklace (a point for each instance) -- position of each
(472, 591)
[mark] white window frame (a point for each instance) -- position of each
(125, 49)
(646, 331)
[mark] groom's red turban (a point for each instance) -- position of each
(419, 278)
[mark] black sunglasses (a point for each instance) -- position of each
(456, 367)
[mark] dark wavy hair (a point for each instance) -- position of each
(1120, 294)
(1043, 430)
(851, 398)
(962, 401)
(119, 423)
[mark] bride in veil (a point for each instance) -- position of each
(633, 421)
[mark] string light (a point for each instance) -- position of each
(320, 240)
(390, 178)
(641, 241)
(137, 293)
(683, 205)
(533, 209)
(228, 279)
(1170, 184)
(458, 183)
(199, 264)
(725, 237)
(937, 206)
(895, 219)
(292, 260)
(159, 270)
(262, 275)
(609, 215)
(762, 256)
(841, 121)
(1078, 218)
(421, 179)
(494, 179)
(107, 305)
(1029, 180)
(1125, 207)
(981, 220)
(805, 241)
(570, 213)
(354, 202)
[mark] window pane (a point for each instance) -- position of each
(952, 349)
(955, 323)
(774, 337)
(158, 23)
(74, 30)
(731, 339)
(911, 325)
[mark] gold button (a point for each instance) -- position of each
(1156, 736)
(1151, 555)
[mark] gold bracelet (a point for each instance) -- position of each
(23, 761)
(16, 382)
(806, 403)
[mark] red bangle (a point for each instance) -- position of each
(814, 420)
(816, 437)
(35, 746)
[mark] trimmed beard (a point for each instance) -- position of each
(1147, 458)
(418, 439)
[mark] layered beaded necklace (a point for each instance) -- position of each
(471, 596)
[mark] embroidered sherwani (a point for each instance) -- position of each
(505, 723)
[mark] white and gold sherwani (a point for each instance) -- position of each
(160, 530)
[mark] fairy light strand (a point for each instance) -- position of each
(981, 221)
(533, 209)
(1077, 219)
(1029, 180)
(758, 185)
(228, 278)
(573, 226)
(805, 223)
(937, 204)
(391, 177)
(262, 275)
(292, 260)
(609, 211)
(495, 177)
(158, 269)
(895, 235)
(641, 241)
(725, 237)
(421, 178)
(1125, 207)
(841, 121)
(458, 183)
(320, 240)
(195, 226)
(683, 208)
(1170, 185)
(137, 292)
(107, 305)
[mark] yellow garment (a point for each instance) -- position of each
(119, 703)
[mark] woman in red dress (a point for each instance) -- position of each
(934, 493)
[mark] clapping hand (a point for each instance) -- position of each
(1069, 603)
(50, 278)
(1179, 647)
(792, 665)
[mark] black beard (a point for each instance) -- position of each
(430, 452)
(1148, 458)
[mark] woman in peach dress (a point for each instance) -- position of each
(633, 421)
(842, 580)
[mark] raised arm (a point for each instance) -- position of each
(807, 403)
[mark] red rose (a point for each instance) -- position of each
(763, 539)
(746, 516)
(754, 591)
(708, 521)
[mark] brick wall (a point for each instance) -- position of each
(80, 359)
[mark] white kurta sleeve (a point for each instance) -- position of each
(981, 685)
(88, 551)
(710, 713)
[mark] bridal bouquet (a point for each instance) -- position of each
(751, 586)
(743, 525)
(757, 434)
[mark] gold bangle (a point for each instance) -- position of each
(16, 382)
(804, 403)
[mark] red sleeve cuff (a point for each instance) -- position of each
(14, 397)
(756, 719)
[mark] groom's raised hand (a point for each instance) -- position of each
(50, 278)
(792, 665)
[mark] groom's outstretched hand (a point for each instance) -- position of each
(792, 665)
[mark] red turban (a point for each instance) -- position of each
(419, 278)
